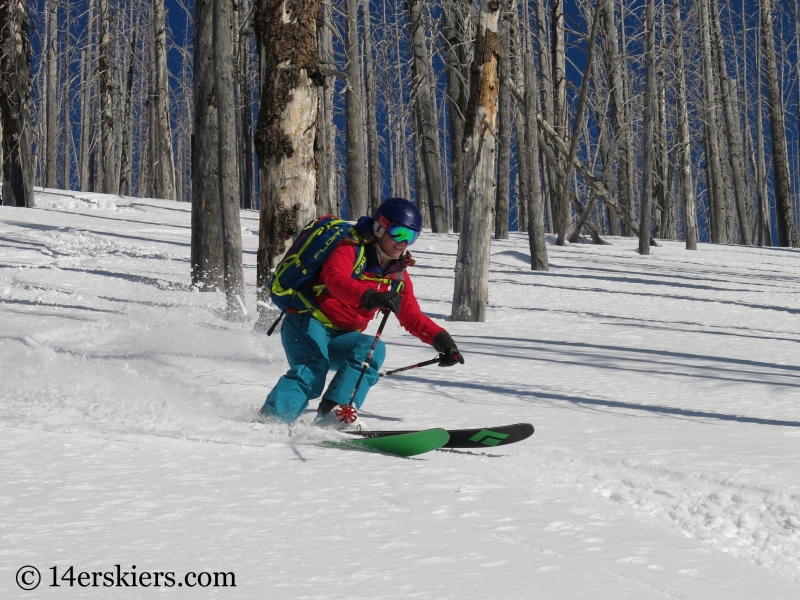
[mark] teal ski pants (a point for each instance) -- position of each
(312, 350)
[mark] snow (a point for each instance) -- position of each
(664, 391)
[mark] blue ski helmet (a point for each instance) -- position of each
(398, 211)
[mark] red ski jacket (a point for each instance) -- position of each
(340, 298)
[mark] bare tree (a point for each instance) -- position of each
(159, 136)
(325, 144)
(730, 105)
(51, 96)
(684, 140)
(15, 105)
(106, 102)
(650, 92)
(503, 189)
(373, 159)
(287, 37)
(787, 230)
(208, 266)
(717, 204)
(472, 261)
(536, 238)
(87, 85)
(357, 192)
(426, 118)
(454, 25)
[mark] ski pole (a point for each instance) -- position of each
(365, 364)
(416, 366)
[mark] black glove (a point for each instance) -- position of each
(374, 299)
(449, 354)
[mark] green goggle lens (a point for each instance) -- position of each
(401, 233)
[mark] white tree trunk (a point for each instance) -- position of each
(472, 263)
(162, 159)
(684, 139)
(51, 97)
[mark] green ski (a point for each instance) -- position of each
(405, 444)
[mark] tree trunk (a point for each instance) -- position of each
(684, 138)
(735, 146)
(247, 180)
(126, 154)
(648, 141)
(227, 170)
(619, 121)
(787, 231)
(66, 178)
(287, 37)
(327, 198)
(162, 161)
(454, 26)
(764, 216)
(15, 106)
(565, 191)
(428, 130)
(536, 238)
(716, 193)
(106, 102)
(208, 267)
(503, 189)
(420, 181)
(51, 96)
(562, 212)
(517, 42)
(472, 262)
(373, 158)
(357, 193)
(87, 116)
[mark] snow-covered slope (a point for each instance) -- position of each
(665, 391)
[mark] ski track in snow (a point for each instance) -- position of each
(663, 389)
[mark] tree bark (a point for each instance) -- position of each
(15, 105)
(650, 92)
(287, 37)
(162, 160)
(503, 189)
(373, 158)
(106, 102)
(562, 212)
(764, 216)
(247, 180)
(357, 193)
(454, 27)
(87, 116)
(536, 237)
(51, 97)
(472, 261)
(208, 266)
(716, 193)
(126, 153)
(787, 231)
(227, 170)
(325, 144)
(427, 129)
(690, 232)
(619, 120)
(735, 145)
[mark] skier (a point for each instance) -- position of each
(330, 337)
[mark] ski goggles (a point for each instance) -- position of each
(401, 233)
